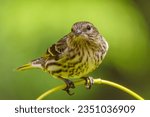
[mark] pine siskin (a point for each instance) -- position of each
(73, 56)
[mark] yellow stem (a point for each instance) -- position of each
(118, 86)
(96, 81)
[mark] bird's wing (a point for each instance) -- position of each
(56, 49)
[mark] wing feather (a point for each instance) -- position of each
(56, 49)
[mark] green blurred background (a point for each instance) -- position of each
(29, 27)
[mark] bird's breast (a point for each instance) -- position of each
(74, 63)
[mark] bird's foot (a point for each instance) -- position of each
(69, 84)
(88, 82)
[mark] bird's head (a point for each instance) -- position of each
(84, 30)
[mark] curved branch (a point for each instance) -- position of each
(96, 81)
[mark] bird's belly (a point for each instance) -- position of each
(74, 68)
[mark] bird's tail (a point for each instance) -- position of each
(37, 63)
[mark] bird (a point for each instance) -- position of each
(74, 56)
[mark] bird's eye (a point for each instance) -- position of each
(88, 27)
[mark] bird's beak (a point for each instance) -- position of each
(78, 32)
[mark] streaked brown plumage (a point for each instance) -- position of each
(74, 56)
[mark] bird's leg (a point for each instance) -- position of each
(88, 82)
(69, 84)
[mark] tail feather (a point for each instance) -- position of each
(24, 67)
(37, 63)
